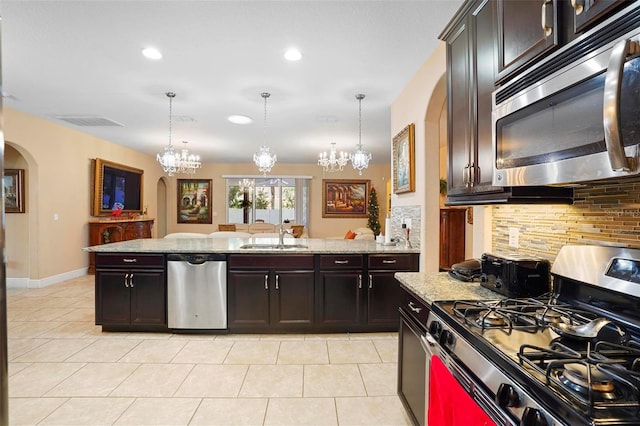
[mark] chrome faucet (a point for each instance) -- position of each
(282, 231)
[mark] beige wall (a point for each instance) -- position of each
(420, 102)
(57, 160)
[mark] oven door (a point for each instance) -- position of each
(414, 355)
(579, 124)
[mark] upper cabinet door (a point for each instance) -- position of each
(526, 30)
(587, 12)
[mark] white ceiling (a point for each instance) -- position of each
(65, 58)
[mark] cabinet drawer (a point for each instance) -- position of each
(414, 306)
(284, 261)
(133, 260)
(405, 261)
(341, 261)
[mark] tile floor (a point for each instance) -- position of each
(63, 370)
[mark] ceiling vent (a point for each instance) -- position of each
(88, 120)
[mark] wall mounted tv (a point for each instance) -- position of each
(116, 185)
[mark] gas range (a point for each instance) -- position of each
(570, 357)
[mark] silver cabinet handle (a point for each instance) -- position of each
(465, 175)
(472, 180)
(341, 262)
(370, 281)
(578, 6)
(131, 280)
(129, 260)
(277, 284)
(545, 8)
(126, 280)
(391, 261)
(359, 280)
(414, 308)
(610, 115)
(266, 282)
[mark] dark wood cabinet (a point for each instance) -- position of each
(130, 292)
(590, 12)
(112, 231)
(270, 292)
(470, 81)
(339, 296)
(452, 237)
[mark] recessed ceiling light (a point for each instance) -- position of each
(292, 54)
(239, 119)
(151, 53)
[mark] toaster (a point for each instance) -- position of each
(514, 275)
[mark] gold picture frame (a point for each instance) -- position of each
(404, 160)
(13, 183)
(345, 197)
(194, 201)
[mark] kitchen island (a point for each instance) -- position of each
(305, 285)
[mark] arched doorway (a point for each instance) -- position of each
(161, 209)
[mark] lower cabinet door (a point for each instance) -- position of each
(148, 298)
(292, 299)
(340, 298)
(113, 298)
(383, 299)
(248, 298)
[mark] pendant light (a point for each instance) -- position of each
(264, 159)
(359, 157)
(173, 162)
(333, 162)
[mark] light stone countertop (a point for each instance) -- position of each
(232, 245)
(432, 286)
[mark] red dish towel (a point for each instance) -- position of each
(449, 403)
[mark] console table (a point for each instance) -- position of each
(106, 231)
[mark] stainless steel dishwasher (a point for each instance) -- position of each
(197, 291)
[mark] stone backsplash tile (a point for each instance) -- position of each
(602, 213)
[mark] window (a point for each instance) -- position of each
(270, 199)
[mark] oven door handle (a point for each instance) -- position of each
(611, 106)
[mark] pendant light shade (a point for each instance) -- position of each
(359, 157)
(263, 158)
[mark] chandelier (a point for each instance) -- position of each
(263, 158)
(173, 162)
(333, 162)
(359, 157)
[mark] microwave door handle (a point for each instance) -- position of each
(611, 111)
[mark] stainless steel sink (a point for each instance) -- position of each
(273, 246)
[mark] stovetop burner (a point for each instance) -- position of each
(585, 378)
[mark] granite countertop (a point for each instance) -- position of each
(432, 286)
(232, 245)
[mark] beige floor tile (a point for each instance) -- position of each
(230, 411)
(66, 330)
(387, 349)
(94, 379)
(352, 351)
(30, 329)
(379, 379)
(238, 337)
(213, 380)
(379, 410)
(301, 411)
(153, 380)
(30, 411)
(105, 350)
(327, 336)
(154, 351)
(39, 378)
(273, 381)
(252, 352)
(203, 352)
(15, 367)
(282, 337)
(50, 314)
(333, 380)
(303, 352)
(19, 347)
(159, 411)
(88, 411)
(55, 350)
(373, 336)
(78, 314)
(20, 314)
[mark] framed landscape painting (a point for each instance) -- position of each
(404, 161)
(194, 201)
(13, 182)
(345, 198)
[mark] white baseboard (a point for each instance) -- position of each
(44, 282)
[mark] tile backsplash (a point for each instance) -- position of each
(603, 213)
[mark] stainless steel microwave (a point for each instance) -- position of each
(580, 123)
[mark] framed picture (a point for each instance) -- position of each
(345, 198)
(194, 201)
(13, 182)
(404, 161)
